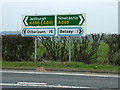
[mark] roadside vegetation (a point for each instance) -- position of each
(95, 51)
(61, 65)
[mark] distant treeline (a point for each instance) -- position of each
(94, 48)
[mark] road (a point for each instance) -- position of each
(11, 79)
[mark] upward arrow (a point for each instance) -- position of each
(81, 19)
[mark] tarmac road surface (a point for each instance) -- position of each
(22, 79)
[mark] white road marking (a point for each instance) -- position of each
(27, 72)
(8, 84)
(31, 83)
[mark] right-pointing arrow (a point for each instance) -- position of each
(81, 19)
(80, 31)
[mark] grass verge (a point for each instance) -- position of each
(61, 65)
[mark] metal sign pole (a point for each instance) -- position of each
(35, 54)
(36, 47)
(69, 49)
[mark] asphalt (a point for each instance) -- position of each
(101, 82)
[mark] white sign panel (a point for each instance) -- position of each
(70, 31)
(39, 32)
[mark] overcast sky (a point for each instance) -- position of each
(102, 17)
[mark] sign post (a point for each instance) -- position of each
(54, 25)
(38, 25)
(35, 50)
(70, 25)
(70, 49)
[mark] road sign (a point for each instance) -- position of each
(68, 20)
(70, 31)
(37, 25)
(38, 32)
(39, 20)
(64, 25)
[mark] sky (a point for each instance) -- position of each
(101, 16)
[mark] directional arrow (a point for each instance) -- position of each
(26, 18)
(24, 31)
(80, 31)
(81, 19)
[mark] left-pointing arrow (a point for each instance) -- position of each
(26, 18)
(24, 31)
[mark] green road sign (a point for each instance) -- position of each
(39, 20)
(68, 20)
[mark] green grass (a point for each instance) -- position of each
(61, 65)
